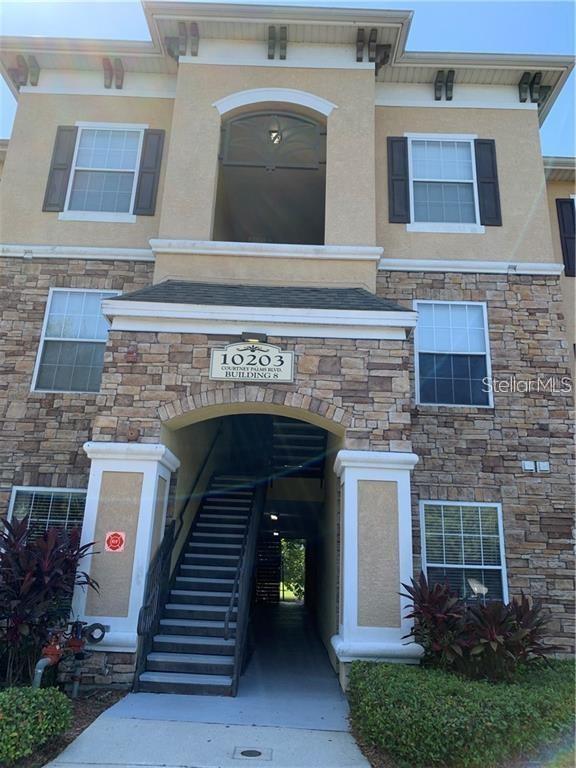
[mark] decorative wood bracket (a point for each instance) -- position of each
(108, 72)
(33, 70)
(271, 42)
(283, 42)
(382, 56)
(194, 39)
(360, 45)
(524, 87)
(535, 87)
(439, 85)
(372, 45)
(449, 84)
(118, 74)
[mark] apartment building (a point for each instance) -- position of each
(271, 275)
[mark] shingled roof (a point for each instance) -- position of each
(219, 294)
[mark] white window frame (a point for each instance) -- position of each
(443, 227)
(51, 292)
(38, 489)
(417, 351)
(462, 566)
(128, 217)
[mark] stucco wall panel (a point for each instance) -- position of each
(378, 554)
(118, 509)
(28, 163)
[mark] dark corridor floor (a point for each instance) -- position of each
(288, 682)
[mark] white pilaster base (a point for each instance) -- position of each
(153, 461)
(361, 642)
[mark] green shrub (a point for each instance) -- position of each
(29, 718)
(429, 717)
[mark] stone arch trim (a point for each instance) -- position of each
(281, 95)
(253, 395)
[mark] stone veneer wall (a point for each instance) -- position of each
(106, 669)
(475, 454)
(42, 434)
(362, 386)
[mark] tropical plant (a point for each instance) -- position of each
(37, 579)
(480, 640)
(293, 567)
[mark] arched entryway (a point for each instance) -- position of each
(292, 461)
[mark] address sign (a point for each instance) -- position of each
(251, 361)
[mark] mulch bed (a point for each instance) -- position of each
(85, 710)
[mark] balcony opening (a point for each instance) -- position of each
(272, 179)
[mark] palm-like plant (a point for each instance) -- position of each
(37, 579)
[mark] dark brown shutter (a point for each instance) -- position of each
(149, 174)
(567, 225)
(487, 180)
(62, 156)
(398, 181)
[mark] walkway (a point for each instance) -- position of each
(289, 709)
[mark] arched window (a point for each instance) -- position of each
(272, 179)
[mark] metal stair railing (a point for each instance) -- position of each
(242, 582)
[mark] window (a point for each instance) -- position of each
(71, 354)
(48, 508)
(452, 354)
(443, 190)
(462, 545)
(104, 173)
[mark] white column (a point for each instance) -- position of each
(146, 468)
(376, 642)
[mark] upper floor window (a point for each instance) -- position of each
(452, 353)
(463, 546)
(104, 172)
(47, 508)
(71, 354)
(443, 183)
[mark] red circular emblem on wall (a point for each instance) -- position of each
(115, 541)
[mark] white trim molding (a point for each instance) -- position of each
(152, 461)
(277, 95)
(268, 250)
(360, 642)
(156, 452)
(463, 265)
(214, 320)
(24, 251)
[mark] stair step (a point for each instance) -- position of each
(198, 611)
(224, 518)
(221, 527)
(208, 547)
(180, 682)
(194, 644)
(195, 663)
(200, 597)
(199, 559)
(194, 627)
(212, 571)
(219, 585)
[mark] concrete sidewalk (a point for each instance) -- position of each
(124, 743)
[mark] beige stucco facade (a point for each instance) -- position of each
(28, 162)
(524, 234)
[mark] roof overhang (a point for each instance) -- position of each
(308, 25)
(560, 168)
(153, 316)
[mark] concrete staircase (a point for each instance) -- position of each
(191, 654)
